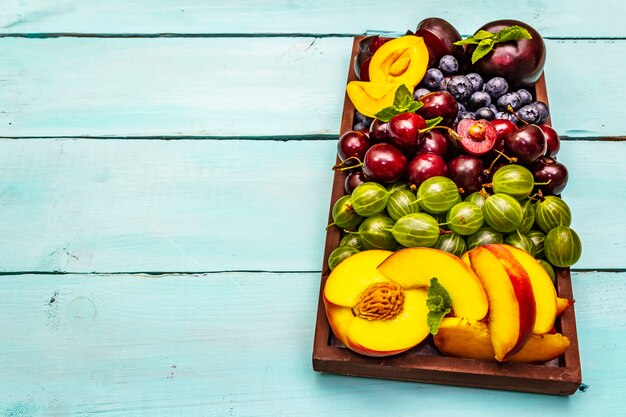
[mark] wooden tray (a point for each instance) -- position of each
(424, 363)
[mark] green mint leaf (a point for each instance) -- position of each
(439, 304)
(405, 104)
(387, 113)
(513, 33)
(433, 319)
(477, 37)
(433, 122)
(414, 106)
(484, 47)
(402, 94)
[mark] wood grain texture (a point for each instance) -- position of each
(232, 344)
(243, 87)
(552, 18)
(79, 205)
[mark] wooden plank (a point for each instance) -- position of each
(84, 205)
(243, 87)
(232, 344)
(552, 18)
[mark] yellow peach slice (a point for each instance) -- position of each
(463, 338)
(414, 267)
(562, 304)
(511, 300)
(351, 277)
(543, 289)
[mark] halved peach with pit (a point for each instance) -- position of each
(370, 313)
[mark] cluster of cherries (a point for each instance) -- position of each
(467, 151)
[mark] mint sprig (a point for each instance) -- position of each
(439, 304)
(487, 40)
(403, 102)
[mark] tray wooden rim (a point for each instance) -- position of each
(564, 379)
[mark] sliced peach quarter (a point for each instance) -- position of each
(562, 304)
(370, 313)
(349, 279)
(464, 338)
(511, 300)
(371, 97)
(543, 289)
(414, 267)
(403, 60)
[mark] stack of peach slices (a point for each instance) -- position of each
(496, 303)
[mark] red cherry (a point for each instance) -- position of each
(384, 163)
(424, 166)
(552, 139)
(404, 130)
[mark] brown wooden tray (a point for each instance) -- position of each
(424, 363)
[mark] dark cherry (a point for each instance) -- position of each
(467, 173)
(548, 170)
(527, 144)
(503, 128)
(404, 130)
(353, 180)
(384, 163)
(439, 104)
(353, 144)
(439, 36)
(519, 62)
(552, 139)
(434, 142)
(424, 166)
(478, 136)
(362, 66)
(378, 131)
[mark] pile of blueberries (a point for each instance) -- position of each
(479, 99)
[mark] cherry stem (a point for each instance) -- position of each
(342, 166)
(512, 111)
(450, 131)
(445, 232)
(488, 185)
(511, 160)
(537, 196)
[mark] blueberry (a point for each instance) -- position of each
(493, 108)
(529, 113)
(509, 99)
(461, 107)
(506, 116)
(495, 87)
(542, 108)
(448, 64)
(361, 118)
(465, 115)
(443, 85)
(479, 99)
(525, 96)
(417, 94)
(432, 78)
(485, 113)
(460, 87)
(359, 126)
(476, 80)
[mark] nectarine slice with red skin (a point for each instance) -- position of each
(511, 300)
(543, 290)
(562, 304)
(464, 338)
(414, 267)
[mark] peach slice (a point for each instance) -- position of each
(370, 313)
(414, 267)
(463, 338)
(543, 290)
(562, 304)
(511, 300)
(371, 97)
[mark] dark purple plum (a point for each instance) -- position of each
(520, 62)
(439, 36)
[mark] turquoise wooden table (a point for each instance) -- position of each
(164, 186)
